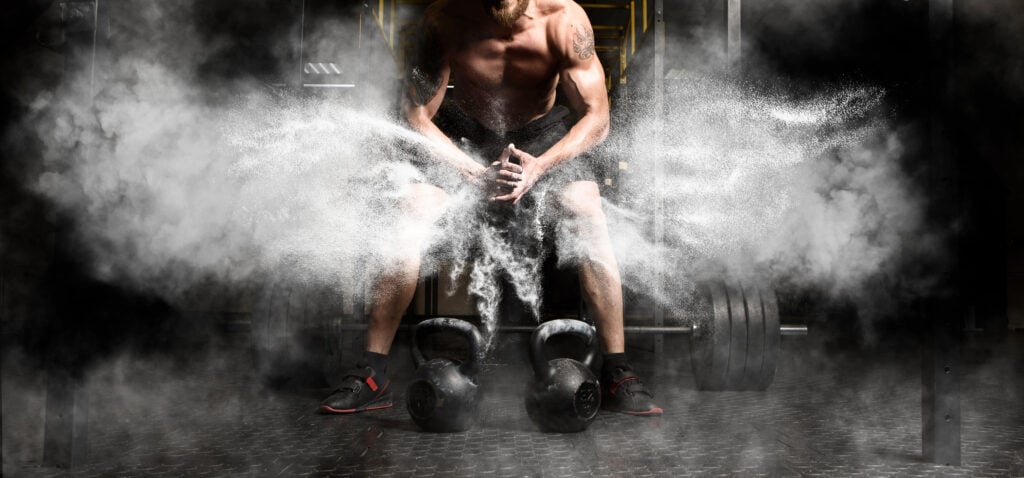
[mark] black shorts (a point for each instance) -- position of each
(535, 138)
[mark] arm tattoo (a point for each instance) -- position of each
(422, 75)
(583, 42)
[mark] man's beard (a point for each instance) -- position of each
(506, 16)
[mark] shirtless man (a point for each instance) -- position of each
(507, 58)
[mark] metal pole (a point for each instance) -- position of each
(65, 420)
(733, 36)
(65, 438)
(940, 364)
(92, 62)
(302, 33)
(658, 104)
(940, 387)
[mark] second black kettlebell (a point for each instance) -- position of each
(565, 395)
(443, 396)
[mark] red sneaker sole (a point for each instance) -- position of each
(327, 409)
(653, 411)
(646, 413)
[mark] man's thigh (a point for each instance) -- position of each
(579, 200)
(579, 224)
(424, 201)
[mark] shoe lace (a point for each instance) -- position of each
(630, 383)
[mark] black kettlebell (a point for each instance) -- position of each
(443, 395)
(565, 395)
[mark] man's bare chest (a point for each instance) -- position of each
(490, 60)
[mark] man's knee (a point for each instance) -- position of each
(582, 226)
(414, 217)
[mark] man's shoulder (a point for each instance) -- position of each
(555, 11)
(562, 16)
(436, 9)
(440, 11)
(566, 22)
(559, 9)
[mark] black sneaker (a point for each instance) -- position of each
(622, 391)
(358, 392)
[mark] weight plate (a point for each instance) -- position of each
(709, 347)
(702, 316)
(755, 339)
(737, 331)
(735, 340)
(770, 305)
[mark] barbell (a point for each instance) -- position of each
(734, 331)
(684, 329)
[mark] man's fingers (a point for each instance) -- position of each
(506, 153)
(507, 168)
(515, 168)
(512, 198)
(510, 175)
(500, 166)
(514, 157)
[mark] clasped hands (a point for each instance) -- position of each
(510, 177)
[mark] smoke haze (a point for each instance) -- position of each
(808, 191)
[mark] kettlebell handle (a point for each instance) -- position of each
(468, 330)
(550, 328)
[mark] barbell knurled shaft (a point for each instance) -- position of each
(784, 329)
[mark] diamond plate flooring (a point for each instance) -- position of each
(826, 415)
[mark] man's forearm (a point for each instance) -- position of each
(444, 150)
(587, 133)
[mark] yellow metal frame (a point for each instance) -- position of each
(625, 34)
(632, 26)
(378, 18)
(645, 16)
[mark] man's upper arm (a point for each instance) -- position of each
(426, 77)
(582, 75)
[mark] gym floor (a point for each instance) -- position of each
(827, 414)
